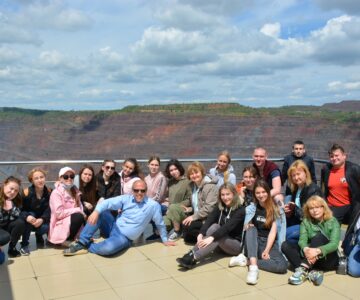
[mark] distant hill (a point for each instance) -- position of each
(347, 105)
(181, 130)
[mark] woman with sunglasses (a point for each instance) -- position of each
(11, 224)
(318, 243)
(67, 214)
(86, 183)
(129, 174)
(108, 181)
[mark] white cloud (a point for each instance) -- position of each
(271, 29)
(53, 15)
(338, 42)
(54, 60)
(186, 17)
(172, 47)
(339, 86)
(15, 35)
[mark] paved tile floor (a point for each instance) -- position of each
(149, 271)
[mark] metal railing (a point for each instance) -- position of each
(21, 168)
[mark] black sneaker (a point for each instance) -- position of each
(75, 248)
(25, 250)
(188, 261)
(13, 252)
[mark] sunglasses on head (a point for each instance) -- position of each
(109, 168)
(139, 191)
(66, 177)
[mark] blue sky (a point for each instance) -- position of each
(106, 54)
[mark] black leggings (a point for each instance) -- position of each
(76, 221)
(191, 232)
(12, 232)
(294, 256)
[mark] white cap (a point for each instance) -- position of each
(64, 170)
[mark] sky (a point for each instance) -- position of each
(107, 54)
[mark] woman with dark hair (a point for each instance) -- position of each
(129, 174)
(86, 183)
(246, 186)
(108, 181)
(67, 214)
(35, 209)
(260, 246)
(222, 228)
(203, 200)
(178, 200)
(11, 225)
(223, 169)
(302, 188)
(318, 243)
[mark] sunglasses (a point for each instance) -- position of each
(139, 191)
(66, 177)
(109, 168)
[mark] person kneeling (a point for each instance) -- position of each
(137, 210)
(318, 243)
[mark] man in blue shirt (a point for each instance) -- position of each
(137, 210)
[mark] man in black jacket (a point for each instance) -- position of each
(298, 152)
(340, 183)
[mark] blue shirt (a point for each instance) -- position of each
(135, 216)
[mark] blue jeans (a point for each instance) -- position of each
(115, 241)
(39, 231)
(293, 234)
(353, 254)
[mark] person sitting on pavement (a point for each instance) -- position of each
(137, 210)
(318, 243)
(222, 228)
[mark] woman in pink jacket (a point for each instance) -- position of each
(67, 214)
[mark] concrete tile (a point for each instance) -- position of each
(23, 289)
(155, 290)
(132, 273)
(72, 284)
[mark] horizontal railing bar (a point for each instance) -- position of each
(39, 162)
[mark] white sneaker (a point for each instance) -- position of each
(174, 236)
(239, 260)
(253, 275)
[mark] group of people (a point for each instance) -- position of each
(251, 220)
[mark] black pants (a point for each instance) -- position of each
(76, 221)
(191, 232)
(341, 213)
(14, 230)
(294, 256)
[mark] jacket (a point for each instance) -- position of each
(306, 193)
(231, 222)
(352, 175)
(110, 190)
(9, 216)
(40, 207)
(207, 197)
(179, 191)
(220, 175)
(269, 167)
(62, 206)
(329, 228)
(289, 159)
